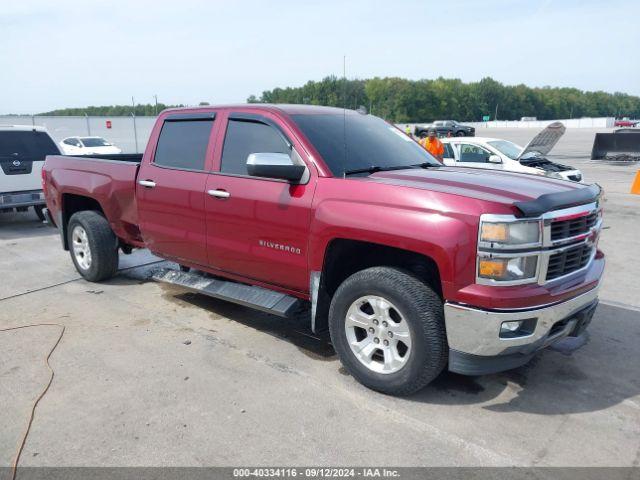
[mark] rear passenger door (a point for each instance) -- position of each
(258, 228)
(171, 188)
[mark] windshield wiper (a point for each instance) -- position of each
(377, 168)
(426, 165)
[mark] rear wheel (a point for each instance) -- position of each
(93, 246)
(388, 329)
(460, 134)
(38, 209)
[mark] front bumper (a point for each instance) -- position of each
(475, 345)
(21, 199)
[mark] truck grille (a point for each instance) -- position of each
(568, 261)
(562, 229)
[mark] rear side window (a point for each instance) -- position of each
(183, 144)
(26, 145)
(246, 137)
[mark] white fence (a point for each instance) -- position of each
(129, 133)
(600, 122)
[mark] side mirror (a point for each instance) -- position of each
(494, 159)
(274, 165)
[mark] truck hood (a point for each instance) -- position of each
(514, 189)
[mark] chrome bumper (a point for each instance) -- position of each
(477, 332)
(21, 199)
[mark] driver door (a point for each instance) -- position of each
(257, 227)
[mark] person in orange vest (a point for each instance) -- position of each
(433, 145)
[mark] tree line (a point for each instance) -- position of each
(149, 109)
(402, 100)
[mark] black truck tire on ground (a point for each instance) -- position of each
(93, 246)
(39, 212)
(461, 133)
(418, 304)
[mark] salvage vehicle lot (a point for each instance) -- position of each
(150, 375)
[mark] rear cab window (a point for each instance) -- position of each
(183, 143)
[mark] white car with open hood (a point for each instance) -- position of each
(497, 154)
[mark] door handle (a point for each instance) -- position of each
(147, 183)
(219, 193)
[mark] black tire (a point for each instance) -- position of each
(102, 243)
(39, 212)
(421, 307)
(423, 134)
(461, 133)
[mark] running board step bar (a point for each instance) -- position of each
(250, 296)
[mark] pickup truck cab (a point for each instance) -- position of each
(412, 266)
(445, 128)
(23, 149)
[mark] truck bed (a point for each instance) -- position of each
(110, 180)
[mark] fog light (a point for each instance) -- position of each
(518, 328)
(510, 326)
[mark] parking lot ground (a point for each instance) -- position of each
(149, 375)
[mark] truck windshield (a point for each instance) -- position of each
(356, 141)
(26, 145)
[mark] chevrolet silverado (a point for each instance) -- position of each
(412, 266)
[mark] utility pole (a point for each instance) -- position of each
(88, 126)
(495, 117)
(156, 109)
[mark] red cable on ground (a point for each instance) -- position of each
(14, 468)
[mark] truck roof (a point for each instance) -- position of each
(282, 107)
(22, 128)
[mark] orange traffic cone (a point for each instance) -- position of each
(635, 186)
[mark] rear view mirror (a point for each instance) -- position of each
(274, 165)
(494, 159)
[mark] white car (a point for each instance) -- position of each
(23, 149)
(497, 154)
(88, 146)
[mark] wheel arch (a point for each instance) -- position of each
(343, 257)
(72, 203)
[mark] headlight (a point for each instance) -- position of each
(508, 269)
(513, 233)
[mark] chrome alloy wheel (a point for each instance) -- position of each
(378, 334)
(80, 246)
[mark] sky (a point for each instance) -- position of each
(76, 53)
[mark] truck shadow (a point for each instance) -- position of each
(21, 225)
(605, 372)
(293, 330)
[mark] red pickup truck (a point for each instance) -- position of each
(413, 266)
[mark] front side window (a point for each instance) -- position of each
(245, 137)
(353, 141)
(473, 153)
(183, 144)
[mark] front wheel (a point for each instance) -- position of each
(387, 327)
(93, 246)
(460, 134)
